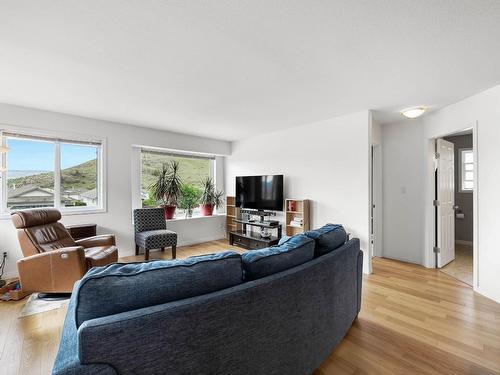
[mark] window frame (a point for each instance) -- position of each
(57, 139)
(461, 153)
(179, 154)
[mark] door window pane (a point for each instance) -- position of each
(79, 187)
(30, 174)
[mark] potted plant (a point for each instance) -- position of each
(210, 198)
(167, 187)
(190, 196)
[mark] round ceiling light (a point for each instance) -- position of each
(413, 112)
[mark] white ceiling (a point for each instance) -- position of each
(228, 69)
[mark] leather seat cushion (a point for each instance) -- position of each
(156, 239)
(50, 237)
(101, 256)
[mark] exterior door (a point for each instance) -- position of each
(446, 203)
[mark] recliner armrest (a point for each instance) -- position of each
(102, 240)
(54, 271)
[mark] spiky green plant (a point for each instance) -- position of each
(167, 187)
(210, 194)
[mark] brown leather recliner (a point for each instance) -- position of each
(53, 261)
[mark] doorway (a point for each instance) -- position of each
(455, 177)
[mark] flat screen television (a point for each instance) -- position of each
(260, 192)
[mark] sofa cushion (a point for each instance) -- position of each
(329, 237)
(292, 252)
(122, 287)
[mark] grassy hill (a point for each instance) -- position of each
(80, 177)
(192, 171)
(83, 176)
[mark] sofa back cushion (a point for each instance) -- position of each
(123, 287)
(329, 237)
(292, 252)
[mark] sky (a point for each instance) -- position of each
(39, 156)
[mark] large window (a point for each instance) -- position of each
(50, 172)
(192, 170)
(466, 170)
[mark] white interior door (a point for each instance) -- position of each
(446, 201)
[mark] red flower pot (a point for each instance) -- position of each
(169, 212)
(207, 209)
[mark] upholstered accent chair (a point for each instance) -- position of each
(151, 232)
(53, 261)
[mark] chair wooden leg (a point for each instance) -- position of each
(146, 254)
(137, 249)
(174, 251)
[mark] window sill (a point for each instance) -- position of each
(197, 217)
(89, 211)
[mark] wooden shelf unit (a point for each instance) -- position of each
(301, 210)
(232, 212)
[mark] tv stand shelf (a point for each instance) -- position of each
(262, 224)
(251, 240)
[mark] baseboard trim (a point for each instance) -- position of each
(200, 240)
(462, 242)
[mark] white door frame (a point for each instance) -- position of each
(376, 196)
(429, 257)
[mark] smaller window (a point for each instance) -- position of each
(51, 172)
(467, 170)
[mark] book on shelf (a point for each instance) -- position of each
(296, 224)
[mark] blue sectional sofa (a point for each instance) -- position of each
(279, 310)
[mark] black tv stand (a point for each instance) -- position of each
(251, 240)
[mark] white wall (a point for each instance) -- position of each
(403, 168)
(482, 109)
(120, 163)
(326, 162)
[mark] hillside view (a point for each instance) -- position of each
(192, 170)
(80, 177)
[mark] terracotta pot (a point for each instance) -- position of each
(207, 209)
(169, 212)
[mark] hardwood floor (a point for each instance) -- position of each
(461, 267)
(413, 321)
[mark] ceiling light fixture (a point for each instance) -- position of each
(413, 112)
